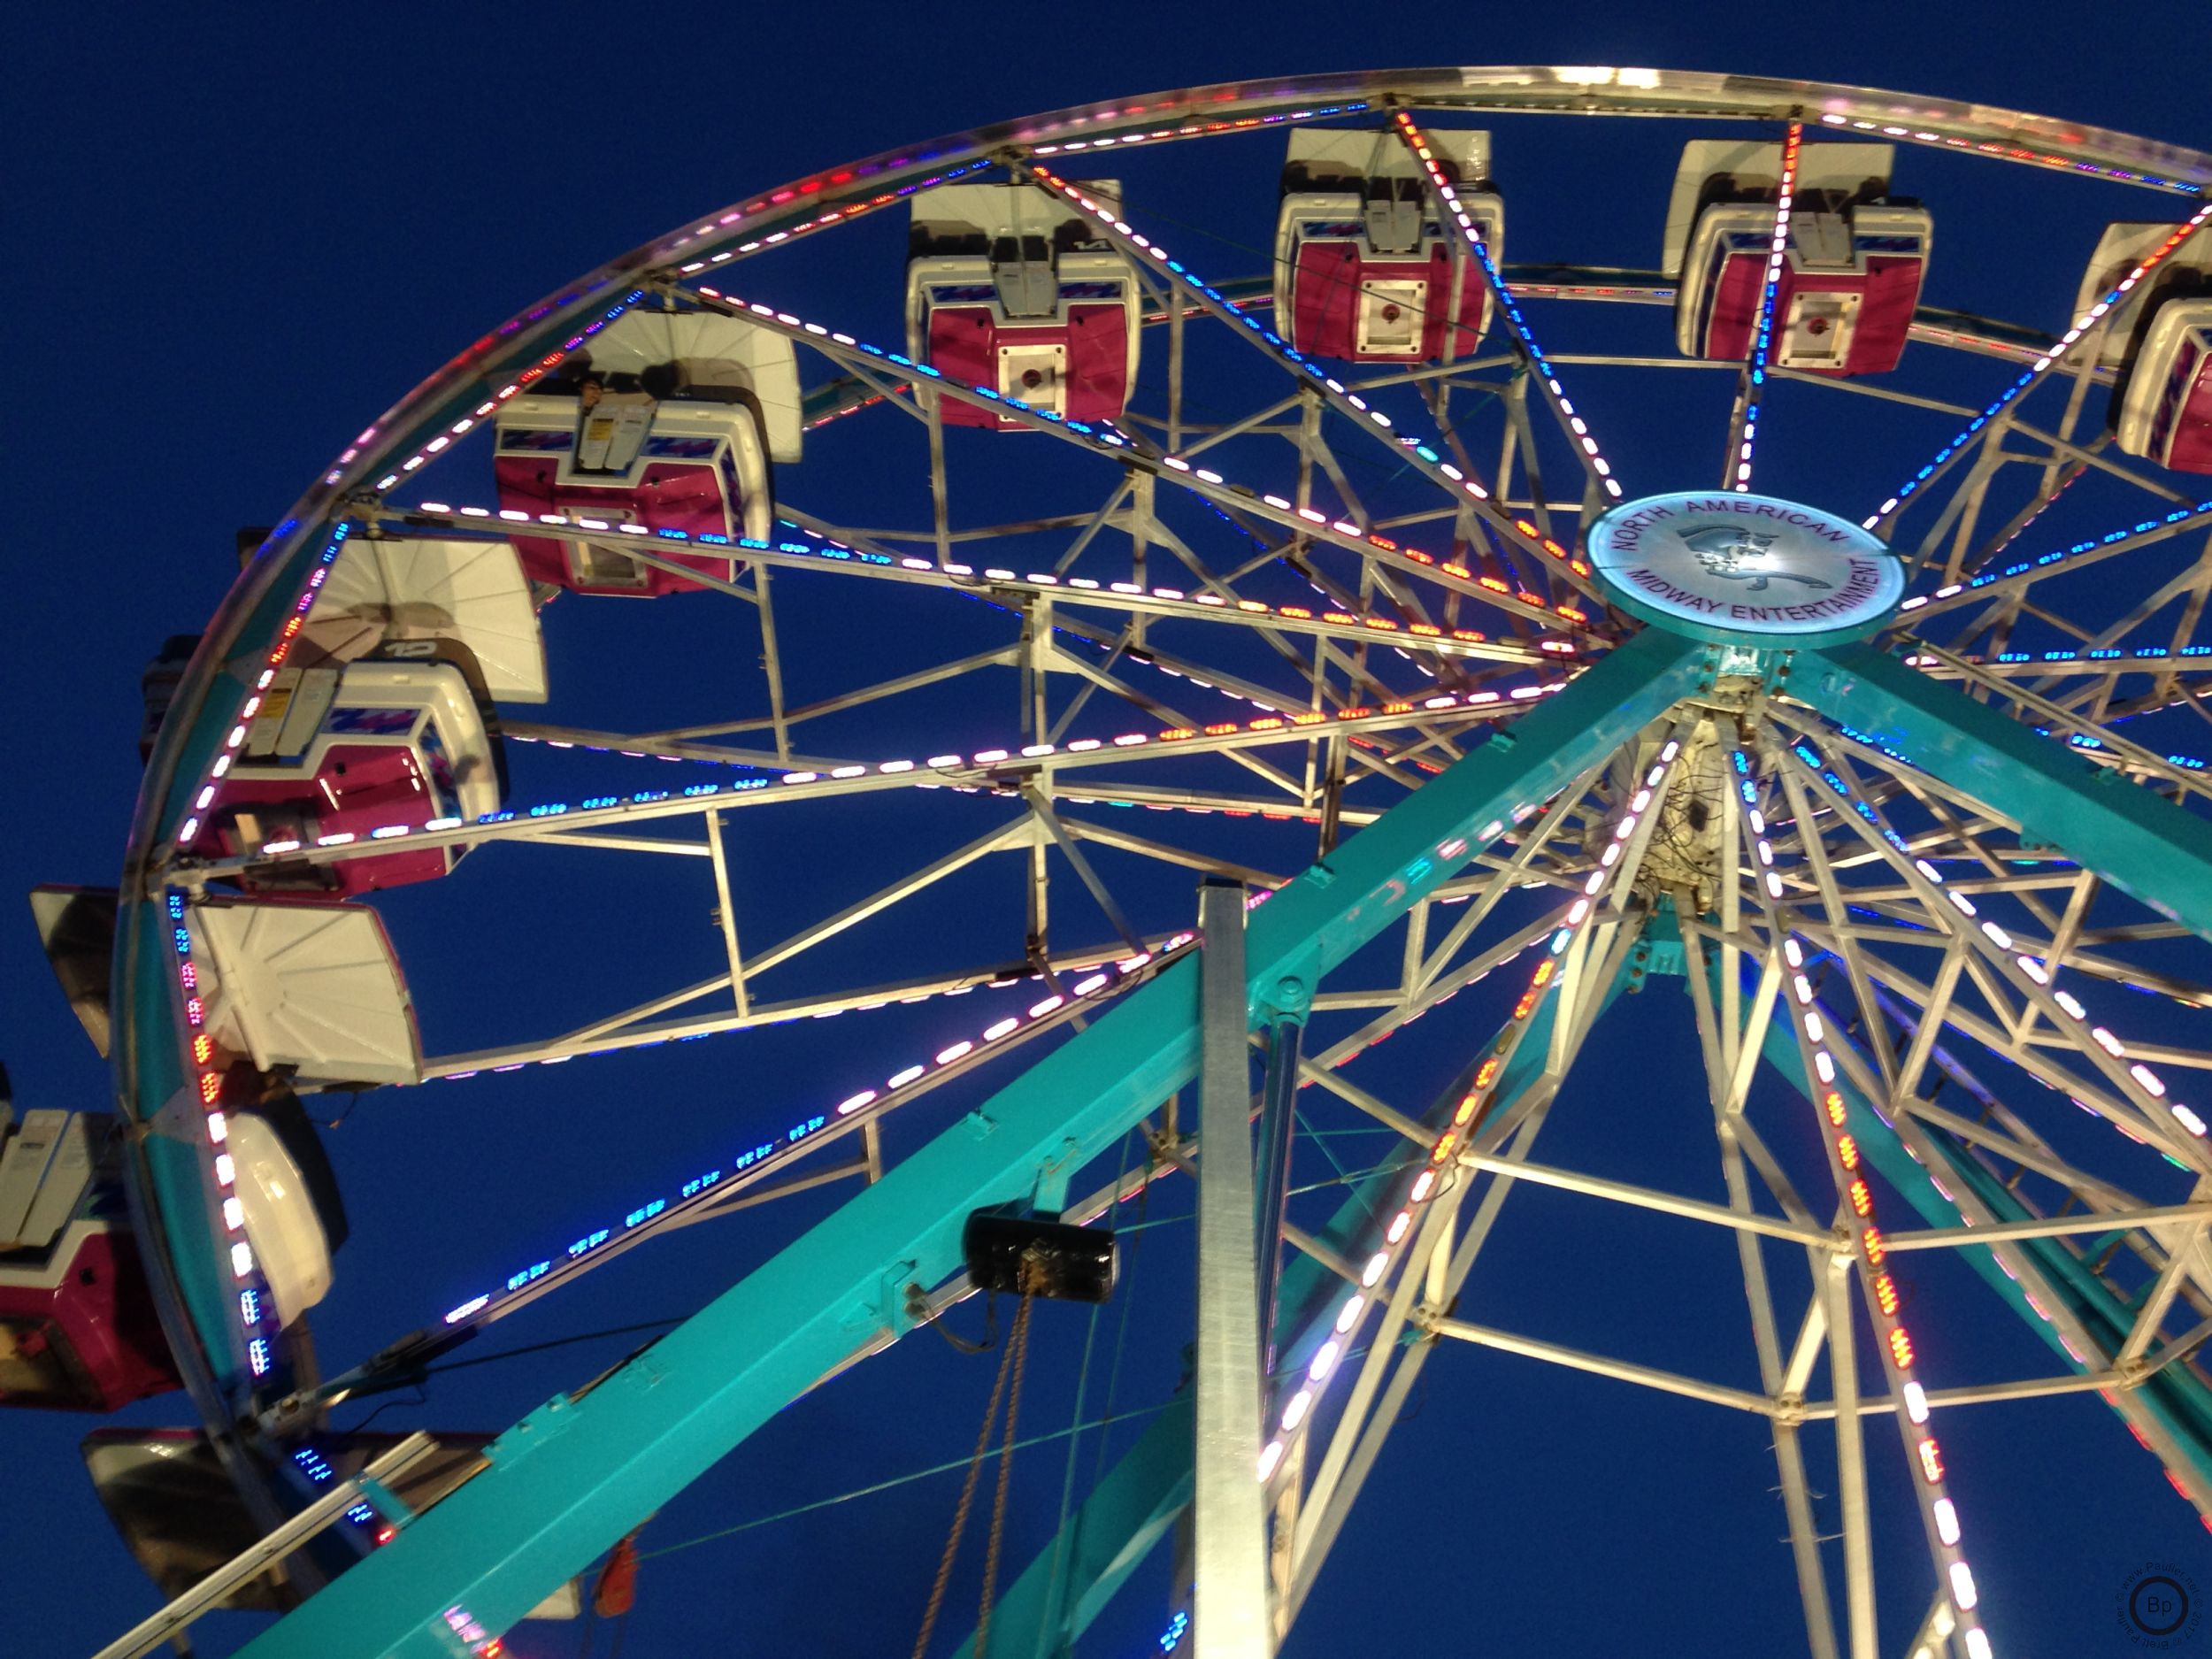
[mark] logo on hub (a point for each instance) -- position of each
(1745, 565)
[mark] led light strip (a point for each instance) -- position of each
(1103, 440)
(316, 1468)
(1955, 594)
(821, 221)
(937, 771)
(1172, 604)
(2042, 974)
(1348, 402)
(468, 423)
(2012, 152)
(1577, 429)
(1188, 129)
(1109, 981)
(1924, 1454)
(257, 1308)
(211, 783)
(1290, 1415)
(257, 1315)
(2042, 365)
(726, 223)
(1756, 369)
(2099, 659)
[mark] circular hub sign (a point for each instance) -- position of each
(1744, 568)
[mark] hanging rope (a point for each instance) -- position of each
(967, 1487)
(1018, 1343)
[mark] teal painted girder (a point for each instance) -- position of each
(2181, 1404)
(2145, 845)
(1112, 1531)
(575, 1475)
(1130, 1510)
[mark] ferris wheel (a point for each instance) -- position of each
(1478, 611)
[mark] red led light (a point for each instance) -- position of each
(202, 1047)
(1885, 1292)
(1847, 1149)
(1861, 1200)
(210, 1087)
(1489, 1069)
(1930, 1461)
(1875, 1248)
(1833, 1103)
(1900, 1348)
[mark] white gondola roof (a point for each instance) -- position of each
(719, 351)
(1819, 166)
(470, 592)
(310, 985)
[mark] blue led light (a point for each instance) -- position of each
(516, 1281)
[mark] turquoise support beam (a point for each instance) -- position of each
(2145, 846)
(572, 1477)
(1105, 1541)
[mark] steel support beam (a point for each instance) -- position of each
(1229, 1522)
(569, 1480)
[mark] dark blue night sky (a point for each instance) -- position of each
(242, 235)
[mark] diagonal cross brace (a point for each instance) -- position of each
(2145, 846)
(570, 1480)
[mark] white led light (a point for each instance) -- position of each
(1946, 1520)
(1964, 1595)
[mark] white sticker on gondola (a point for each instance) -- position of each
(1748, 563)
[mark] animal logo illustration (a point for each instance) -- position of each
(1722, 549)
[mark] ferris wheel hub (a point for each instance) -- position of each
(1741, 568)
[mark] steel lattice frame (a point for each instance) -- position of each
(1816, 843)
